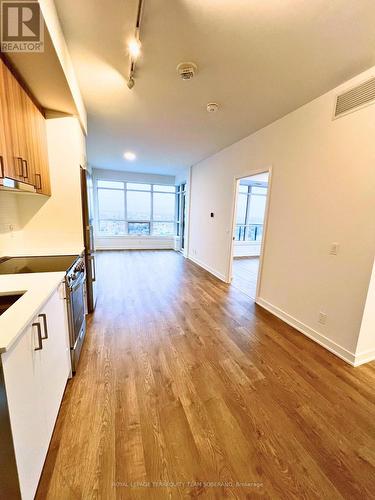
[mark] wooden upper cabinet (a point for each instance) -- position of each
(15, 124)
(23, 135)
(3, 145)
(37, 143)
(7, 163)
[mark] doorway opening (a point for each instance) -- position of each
(181, 216)
(248, 232)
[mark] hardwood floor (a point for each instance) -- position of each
(184, 379)
(245, 274)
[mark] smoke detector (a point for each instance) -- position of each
(187, 70)
(212, 107)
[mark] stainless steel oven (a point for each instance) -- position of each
(77, 309)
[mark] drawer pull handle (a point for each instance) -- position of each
(20, 166)
(45, 326)
(39, 185)
(2, 171)
(25, 170)
(40, 343)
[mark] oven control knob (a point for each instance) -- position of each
(79, 267)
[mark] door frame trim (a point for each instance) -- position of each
(236, 182)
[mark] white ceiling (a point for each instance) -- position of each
(259, 59)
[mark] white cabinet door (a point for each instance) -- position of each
(35, 381)
(23, 381)
(55, 356)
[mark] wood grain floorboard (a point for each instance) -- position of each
(245, 274)
(187, 389)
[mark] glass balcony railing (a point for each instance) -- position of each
(248, 232)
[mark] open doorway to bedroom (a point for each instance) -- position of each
(249, 224)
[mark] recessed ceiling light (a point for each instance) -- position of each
(129, 156)
(134, 47)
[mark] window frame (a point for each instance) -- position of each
(126, 220)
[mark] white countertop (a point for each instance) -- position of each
(38, 288)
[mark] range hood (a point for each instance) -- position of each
(7, 184)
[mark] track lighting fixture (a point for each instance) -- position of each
(134, 46)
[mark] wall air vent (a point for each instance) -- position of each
(356, 98)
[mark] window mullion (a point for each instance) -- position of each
(152, 211)
(247, 216)
(126, 208)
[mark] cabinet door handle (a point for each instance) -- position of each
(25, 169)
(39, 186)
(20, 166)
(45, 326)
(2, 171)
(40, 343)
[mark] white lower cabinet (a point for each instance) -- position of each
(36, 369)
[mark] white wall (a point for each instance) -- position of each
(130, 242)
(246, 249)
(50, 225)
(10, 223)
(182, 176)
(135, 243)
(120, 175)
(322, 191)
(366, 341)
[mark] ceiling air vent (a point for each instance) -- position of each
(187, 70)
(355, 98)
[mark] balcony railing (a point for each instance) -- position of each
(248, 232)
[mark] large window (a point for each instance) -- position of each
(138, 205)
(135, 209)
(111, 206)
(251, 205)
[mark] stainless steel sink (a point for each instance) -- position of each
(8, 300)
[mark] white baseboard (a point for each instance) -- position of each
(325, 342)
(208, 268)
(364, 357)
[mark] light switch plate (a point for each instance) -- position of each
(334, 249)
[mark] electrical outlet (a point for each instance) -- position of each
(322, 318)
